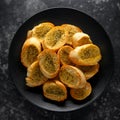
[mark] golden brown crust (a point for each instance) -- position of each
(71, 29)
(63, 54)
(55, 90)
(88, 54)
(55, 38)
(49, 63)
(40, 30)
(30, 50)
(72, 76)
(34, 75)
(80, 38)
(89, 71)
(29, 34)
(81, 93)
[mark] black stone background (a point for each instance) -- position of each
(13, 106)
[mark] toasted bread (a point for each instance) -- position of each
(89, 71)
(71, 29)
(72, 76)
(55, 38)
(63, 54)
(81, 93)
(39, 31)
(49, 63)
(34, 75)
(55, 90)
(80, 38)
(88, 54)
(30, 50)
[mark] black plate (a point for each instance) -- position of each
(60, 16)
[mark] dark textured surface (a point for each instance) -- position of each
(12, 14)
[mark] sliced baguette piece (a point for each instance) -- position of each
(55, 90)
(72, 76)
(55, 38)
(34, 75)
(80, 38)
(40, 30)
(89, 71)
(71, 29)
(81, 93)
(88, 54)
(63, 54)
(49, 63)
(30, 50)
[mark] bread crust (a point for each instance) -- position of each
(71, 29)
(81, 93)
(31, 43)
(29, 34)
(88, 54)
(34, 75)
(55, 90)
(72, 76)
(63, 54)
(80, 38)
(55, 38)
(49, 63)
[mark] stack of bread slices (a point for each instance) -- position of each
(60, 59)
